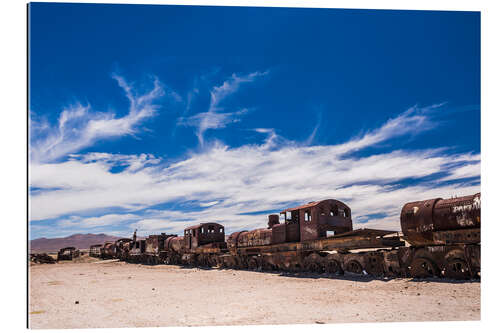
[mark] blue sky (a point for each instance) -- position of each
(158, 117)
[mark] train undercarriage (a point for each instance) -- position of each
(361, 252)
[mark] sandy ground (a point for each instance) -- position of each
(117, 294)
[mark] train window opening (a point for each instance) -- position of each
(330, 233)
(307, 216)
(288, 216)
(334, 211)
(221, 230)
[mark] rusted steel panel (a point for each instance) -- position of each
(279, 233)
(292, 232)
(351, 243)
(464, 236)
(365, 232)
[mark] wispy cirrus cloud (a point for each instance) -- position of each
(97, 221)
(220, 183)
(413, 121)
(214, 118)
(79, 126)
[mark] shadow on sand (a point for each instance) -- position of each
(346, 276)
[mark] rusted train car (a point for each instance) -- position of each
(108, 250)
(315, 237)
(445, 237)
(95, 250)
(199, 246)
(68, 253)
(439, 238)
(147, 251)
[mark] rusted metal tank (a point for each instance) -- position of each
(122, 247)
(108, 250)
(273, 219)
(175, 244)
(157, 243)
(420, 220)
(232, 240)
(257, 237)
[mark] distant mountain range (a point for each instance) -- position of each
(80, 241)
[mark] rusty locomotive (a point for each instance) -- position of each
(440, 237)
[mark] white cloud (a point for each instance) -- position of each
(466, 171)
(98, 221)
(210, 120)
(214, 118)
(80, 126)
(226, 182)
(414, 120)
(208, 204)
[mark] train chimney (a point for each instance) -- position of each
(273, 219)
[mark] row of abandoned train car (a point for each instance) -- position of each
(440, 237)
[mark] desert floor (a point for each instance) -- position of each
(117, 294)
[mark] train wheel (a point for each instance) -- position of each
(223, 263)
(333, 267)
(241, 263)
(422, 268)
(375, 266)
(229, 262)
(353, 266)
(457, 269)
(200, 261)
(212, 262)
(253, 264)
(266, 266)
(313, 263)
(314, 267)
